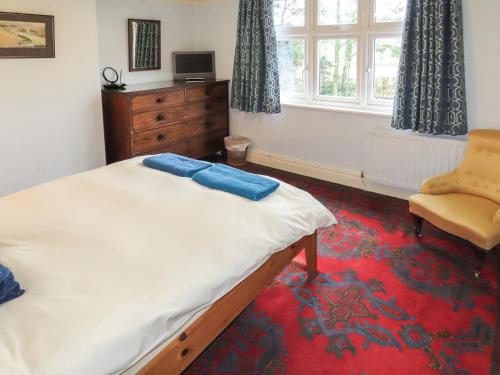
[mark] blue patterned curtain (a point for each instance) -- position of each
(255, 86)
(430, 95)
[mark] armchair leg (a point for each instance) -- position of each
(480, 260)
(418, 225)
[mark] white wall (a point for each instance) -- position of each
(336, 138)
(177, 33)
(51, 124)
(50, 111)
(482, 56)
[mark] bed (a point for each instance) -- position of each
(131, 270)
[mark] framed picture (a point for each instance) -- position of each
(144, 45)
(26, 36)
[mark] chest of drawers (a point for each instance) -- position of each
(190, 119)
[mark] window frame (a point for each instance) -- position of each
(365, 31)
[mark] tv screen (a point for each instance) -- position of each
(194, 65)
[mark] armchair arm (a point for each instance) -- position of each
(496, 218)
(446, 183)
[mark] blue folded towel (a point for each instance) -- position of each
(235, 181)
(176, 164)
(9, 287)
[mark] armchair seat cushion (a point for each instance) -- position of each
(466, 216)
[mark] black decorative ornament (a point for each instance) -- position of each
(111, 77)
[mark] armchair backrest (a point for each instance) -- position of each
(480, 170)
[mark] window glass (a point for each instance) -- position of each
(390, 10)
(387, 51)
(338, 67)
(289, 13)
(337, 12)
(292, 64)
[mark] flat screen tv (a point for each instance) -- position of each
(193, 65)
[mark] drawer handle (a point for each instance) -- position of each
(208, 92)
(160, 100)
(209, 107)
(160, 117)
(209, 124)
(160, 137)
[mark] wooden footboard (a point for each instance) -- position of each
(177, 356)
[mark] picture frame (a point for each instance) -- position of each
(144, 54)
(26, 36)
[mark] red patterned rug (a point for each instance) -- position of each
(383, 303)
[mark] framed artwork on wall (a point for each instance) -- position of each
(144, 45)
(26, 36)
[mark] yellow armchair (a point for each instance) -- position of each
(496, 219)
(466, 201)
(446, 183)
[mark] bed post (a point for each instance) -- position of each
(312, 256)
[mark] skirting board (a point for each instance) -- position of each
(323, 172)
(388, 190)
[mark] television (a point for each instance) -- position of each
(194, 66)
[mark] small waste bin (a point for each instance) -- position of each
(236, 147)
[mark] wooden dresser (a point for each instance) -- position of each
(190, 119)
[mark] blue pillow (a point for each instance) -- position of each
(9, 287)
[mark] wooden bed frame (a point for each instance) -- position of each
(188, 345)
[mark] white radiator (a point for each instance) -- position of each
(403, 160)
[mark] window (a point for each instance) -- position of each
(385, 68)
(339, 51)
(389, 10)
(337, 67)
(290, 13)
(337, 12)
(292, 66)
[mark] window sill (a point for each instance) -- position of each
(353, 109)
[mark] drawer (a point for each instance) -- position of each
(206, 124)
(206, 144)
(205, 91)
(158, 100)
(176, 148)
(205, 108)
(166, 116)
(159, 117)
(155, 139)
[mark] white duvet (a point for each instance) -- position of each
(116, 260)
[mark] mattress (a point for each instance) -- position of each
(116, 260)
